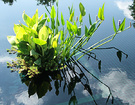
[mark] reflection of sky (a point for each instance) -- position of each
(5, 59)
(122, 87)
(124, 5)
(23, 98)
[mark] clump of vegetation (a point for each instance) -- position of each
(42, 46)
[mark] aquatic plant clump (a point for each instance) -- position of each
(41, 46)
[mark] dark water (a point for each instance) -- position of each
(119, 76)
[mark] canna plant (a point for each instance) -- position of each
(49, 44)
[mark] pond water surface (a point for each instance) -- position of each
(119, 76)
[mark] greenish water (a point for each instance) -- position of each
(119, 76)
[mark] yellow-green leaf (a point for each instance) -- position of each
(39, 41)
(26, 19)
(43, 33)
(53, 12)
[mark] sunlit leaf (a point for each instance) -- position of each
(114, 26)
(41, 24)
(62, 19)
(80, 18)
(122, 25)
(55, 41)
(82, 9)
(53, 12)
(39, 41)
(71, 16)
(62, 36)
(26, 18)
(43, 33)
(11, 40)
(100, 13)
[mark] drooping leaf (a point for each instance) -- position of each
(87, 87)
(108, 99)
(42, 89)
(73, 100)
(11, 40)
(43, 33)
(39, 41)
(53, 12)
(62, 19)
(122, 25)
(114, 26)
(32, 88)
(82, 9)
(99, 65)
(119, 55)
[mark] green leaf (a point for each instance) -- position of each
(35, 17)
(92, 29)
(80, 18)
(55, 41)
(90, 20)
(43, 33)
(23, 47)
(119, 55)
(62, 19)
(11, 40)
(100, 13)
(122, 25)
(73, 100)
(114, 26)
(39, 41)
(38, 62)
(86, 31)
(26, 19)
(79, 31)
(71, 16)
(62, 36)
(33, 52)
(41, 24)
(69, 25)
(82, 9)
(53, 12)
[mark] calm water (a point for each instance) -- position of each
(119, 76)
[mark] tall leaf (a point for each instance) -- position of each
(43, 33)
(71, 16)
(90, 20)
(82, 9)
(26, 19)
(53, 12)
(122, 25)
(114, 26)
(62, 19)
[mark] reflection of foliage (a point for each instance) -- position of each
(9, 1)
(45, 2)
(132, 9)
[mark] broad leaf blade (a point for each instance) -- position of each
(39, 41)
(53, 12)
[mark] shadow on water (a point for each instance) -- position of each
(66, 78)
(42, 2)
